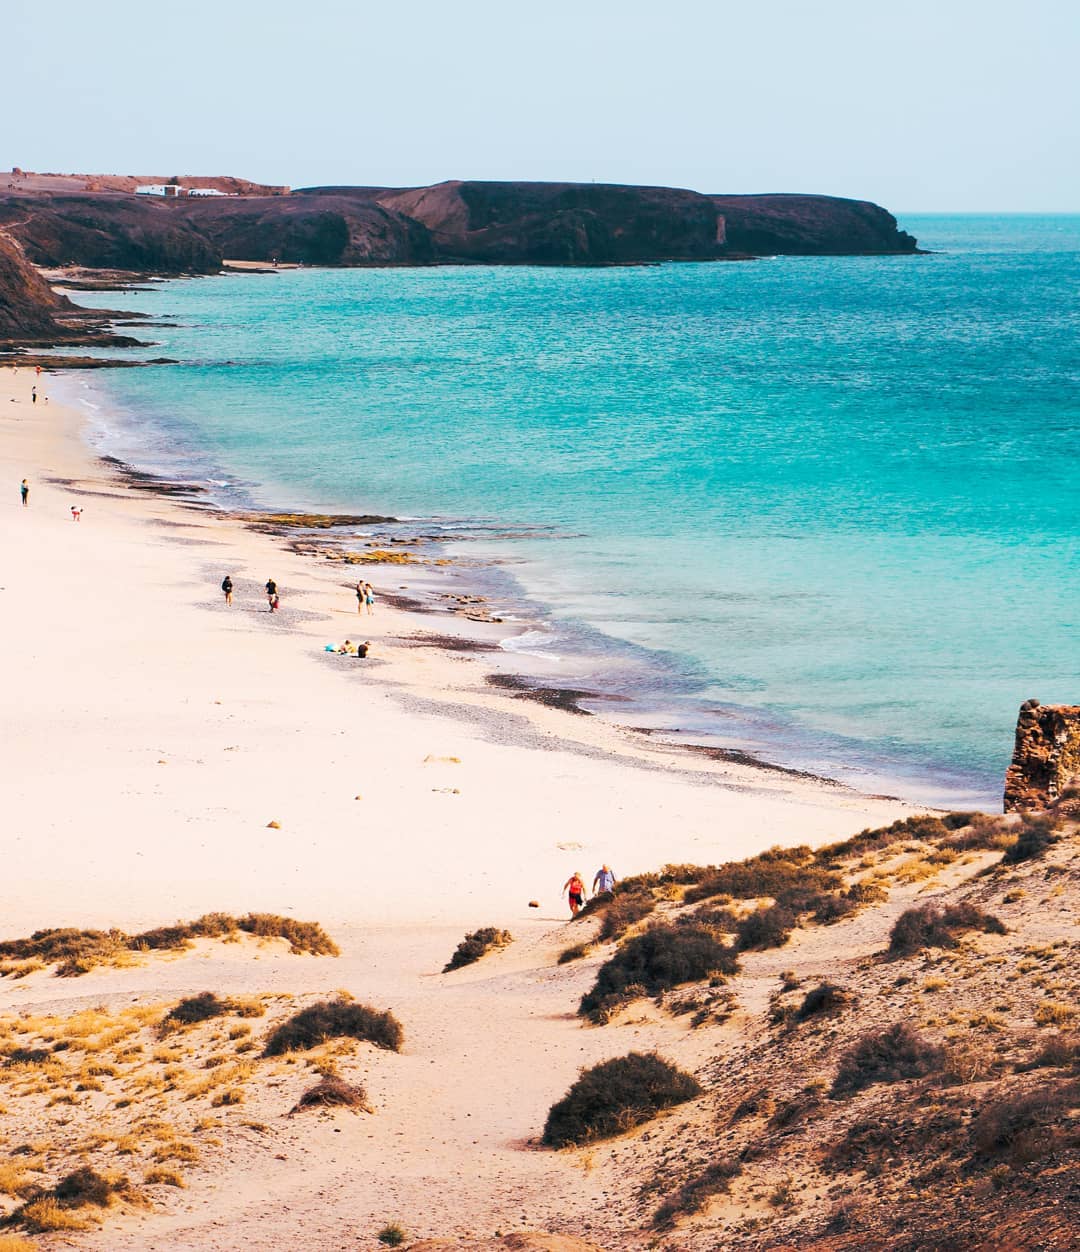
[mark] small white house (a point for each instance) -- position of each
(170, 190)
(206, 191)
(151, 189)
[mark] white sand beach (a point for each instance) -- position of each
(151, 734)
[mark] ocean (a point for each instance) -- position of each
(820, 509)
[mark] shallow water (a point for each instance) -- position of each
(823, 507)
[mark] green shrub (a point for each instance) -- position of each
(392, 1235)
(624, 911)
(662, 957)
(615, 1096)
(886, 1056)
(332, 1019)
(200, 1008)
(476, 945)
(777, 873)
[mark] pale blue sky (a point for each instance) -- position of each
(953, 105)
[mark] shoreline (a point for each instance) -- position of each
(449, 731)
(755, 736)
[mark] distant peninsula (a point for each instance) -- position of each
(192, 225)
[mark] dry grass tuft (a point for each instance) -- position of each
(886, 1056)
(161, 1177)
(334, 1091)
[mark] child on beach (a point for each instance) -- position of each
(575, 890)
(226, 586)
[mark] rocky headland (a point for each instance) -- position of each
(99, 222)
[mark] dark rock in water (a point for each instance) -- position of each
(1046, 758)
(794, 225)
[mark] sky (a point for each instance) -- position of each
(955, 105)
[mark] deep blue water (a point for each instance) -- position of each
(823, 507)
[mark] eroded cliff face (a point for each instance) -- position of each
(795, 225)
(561, 223)
(1046, 757)
(28, 305)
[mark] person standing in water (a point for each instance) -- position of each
(24, 492)
(226, 586)
(604, 881)
(575, 892)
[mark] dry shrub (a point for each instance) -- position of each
(931, 927)
(765, 928)
(1059, 1052)
(694, 1195)
(1027, 1127)
(200, 1008)
(663, 957)
(614, 1096)
(16, 1243)
(161, 1177)
(334, 1019)
(1037, 835)
(76, 951)
(626, 909)
(776, 874)
(1053, 1013)
(885, 1056)
(476, 945)
(983, 833)
(44, 1215)
(334, 1091)
(874, 840)
(28, 1056)
(574, 953)
(824, 1000)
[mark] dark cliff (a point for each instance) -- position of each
(795, 225)
(110, 231)
(311, 230)
(28, 305)
(561, 223)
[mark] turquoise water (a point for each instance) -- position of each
(822, 507)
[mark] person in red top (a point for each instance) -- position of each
(575, 890)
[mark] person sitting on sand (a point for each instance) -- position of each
(362, 649)
(348, 648)
(226, 586)
(604, 881)
(575, 890)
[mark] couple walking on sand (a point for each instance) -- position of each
(603, 882)
(365, 598)
(271, 592)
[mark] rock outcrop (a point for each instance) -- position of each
(561, 223)
(28, 305)
(794, 225)
(1046, 757)
(109, 232)
(311, 230)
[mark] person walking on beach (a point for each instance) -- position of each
(604, 881)
(76, 514)
(271, 594)
(360, 597)
(575, 892)
(33, 395)
(226, 586)
(24, 492)
(369, 598)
